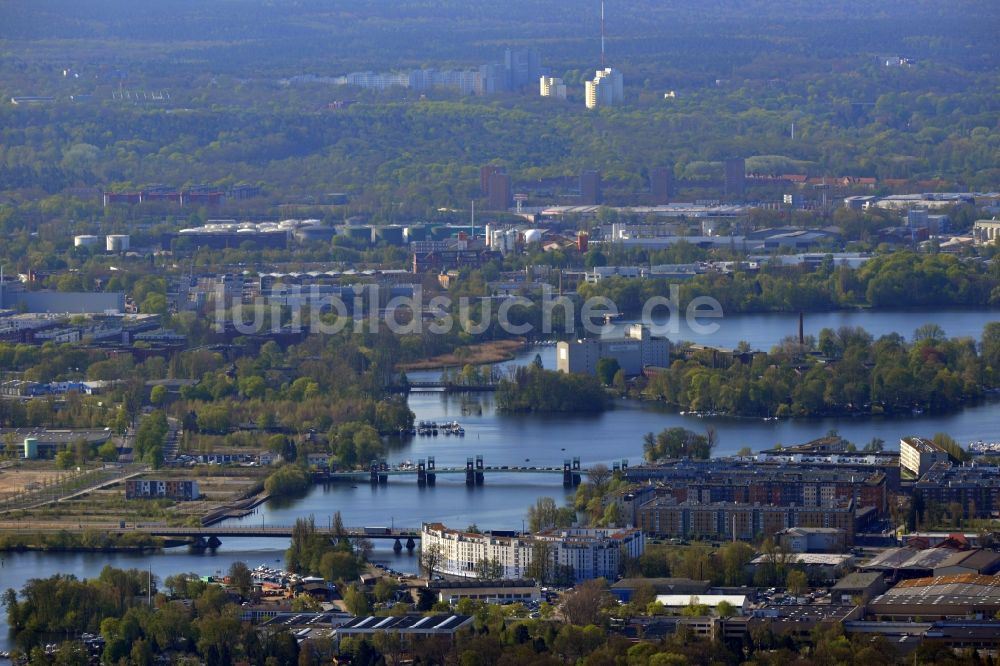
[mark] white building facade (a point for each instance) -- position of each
(592, 553)
(550, 86)
(605, 89)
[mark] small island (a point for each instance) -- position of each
(534, 389)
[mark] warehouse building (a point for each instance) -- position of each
(965, 596)
(638, 349)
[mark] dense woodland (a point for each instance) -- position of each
(844, 372)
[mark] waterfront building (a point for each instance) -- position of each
(605, 89)
(590, 553)
(918, 455)
(803, 484)
(636, 350)
(666, 517)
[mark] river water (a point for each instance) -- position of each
(536, 440)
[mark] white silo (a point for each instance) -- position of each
(85, 240)
(117, 242)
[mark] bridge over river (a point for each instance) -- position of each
(475, 471)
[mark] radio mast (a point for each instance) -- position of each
(602, 34)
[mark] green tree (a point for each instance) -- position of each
(797, 582)
(385, 589)
(241, 578)
(356, 601)
(606, 369)
(158, 395)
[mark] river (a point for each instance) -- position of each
(539, 440)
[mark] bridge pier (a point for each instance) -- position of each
(470, 472)
(377, 473)
(431, 474)
(480, 471)
(214, 542)
(397, 546)
(421, 473)
(410, 544)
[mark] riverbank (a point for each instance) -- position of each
(494, 351)
(87, 541)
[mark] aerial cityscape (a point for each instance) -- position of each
(599, 333)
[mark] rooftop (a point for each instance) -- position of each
(858, 580)
(922, 445)
(957, 590)
(819, 559)
(408, 623)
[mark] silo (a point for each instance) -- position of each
(392, 234)
(117, 242)
(415, 233)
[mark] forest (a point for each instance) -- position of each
(843, 372)
(742, 76)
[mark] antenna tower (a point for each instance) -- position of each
(602, 33)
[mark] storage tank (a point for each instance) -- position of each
(30, 448)
(359, 233)
(117, 243)
(533, 236)
(85, 240)
(391, 235)
(415, 233)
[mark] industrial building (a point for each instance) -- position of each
(813, 539)
(45, 443)
(590, 188)
(498, 191)
(406, 627)
(14, 296)
(965, 596)
(858, 585)
(638, 349)
(490, 591)
(661, 184)
(736, 177)
(157, 488)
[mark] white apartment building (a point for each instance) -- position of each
(550, 86)
(605, 89)
(591, 553)
(918, 455)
